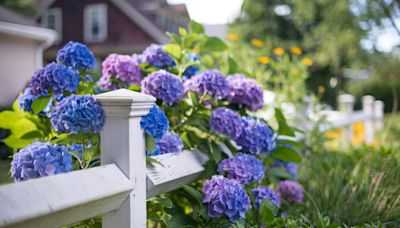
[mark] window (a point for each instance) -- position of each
(52, 19)
(95, 23)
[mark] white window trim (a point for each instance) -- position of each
(87, 35)
(58, 21)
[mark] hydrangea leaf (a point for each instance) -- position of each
(291, 142)
(8, 119)
(197, 195)
(40, 103)
(284, 128)
(196, 27)
(31, 135)
(20, 128)
(174, 50)
(287, 154)
(214, 44)
(267, 212)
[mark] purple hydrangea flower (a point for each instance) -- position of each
(244, 168)
(265, 193)
(76, 55)
(291, 191)
(123, 67)
(40, 159)
(256, 136)
(54, 78)
(155, 123)
(245, 91)
(211, 82)
(225, 197)
(226, 121)
(170, 143)
(75, 114)
(156, 56)
(290, 167)
(164, 86)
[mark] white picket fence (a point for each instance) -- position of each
(117, 190)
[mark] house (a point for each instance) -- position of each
(111, 26)
(22, 42)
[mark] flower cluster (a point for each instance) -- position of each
(122, 67)
(226, 121)
(170, 143)
(225, 197)
(155, 123)
(265, 193)
(76, 55)
(26, 99)
(54, 78)
(209, 82)
(40, 159)
(156, 56)
(75, 114)
(290, 167)
(164, 86)
(291, 191)
(244, 168)
(245, 91)
(256, 137)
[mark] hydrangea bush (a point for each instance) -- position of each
(205, 101)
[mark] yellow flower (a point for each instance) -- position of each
(232, 37)
(257, 42)
(321, 89)
(295, 72)
(279, 51)
(296, 51)
(334, 134)
(307, 61)
(263, 60)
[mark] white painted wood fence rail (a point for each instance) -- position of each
(117, 190)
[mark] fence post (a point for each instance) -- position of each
(379, 111)
(123, 143)
(368, 109)
(346, 106)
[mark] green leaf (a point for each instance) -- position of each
(150, 144)
(193, 97)
(233, 66)
(151, 161)
(197, 195)
(267, 212)
(31, 135)
(284, 128)
(287, 154)
(181, 220)
(196, 27)
(214, 44)
(174, 50)
(291, 142)
(174, 38)
(8, 119)
(215, 152)
(182, 31)
(280, 172)
(40, 103)
(207, 60)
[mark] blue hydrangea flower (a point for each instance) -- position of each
(256, 136)
(156, 56)
(40, 159)
(155, 123)
(75, 114)
(290, 167)
(192, 69)
(291, 191)
(54, 78)
(225, 197)
(170, 143)
(164, 86)
(156, 152)
(210, 82)
(76, 55)
(245, 91)
(244, 168)
(26, 99)
(226, 121)
(265, 193)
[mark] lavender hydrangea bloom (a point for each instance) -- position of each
(164, 86)
(122, 67)
(291, 191)
(155, 123)
(242, 167)
(54, 77)
(290, 167)
(156, 56)
(225, 197)
(226, 121)
(245, 91)
(170, 143)
(40, 159)
(256, 137)
(265, 193)
(76, 55)
(75, 114)
(211, 82)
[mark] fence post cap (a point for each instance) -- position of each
(346, 98)
(124, 96)
(368, 99)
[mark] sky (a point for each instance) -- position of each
(224, 11)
